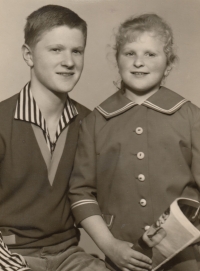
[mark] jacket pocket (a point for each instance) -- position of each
(109, 219)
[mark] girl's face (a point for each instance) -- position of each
(142, 63)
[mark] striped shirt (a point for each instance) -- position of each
(11, 261)
(27, 110)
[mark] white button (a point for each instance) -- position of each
(140, 155)
(141, 177)
(143, 202)
(139, 130)
(147, 227)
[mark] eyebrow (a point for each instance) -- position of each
(153, 50)
(79, 47)
(55, 44)
(62, 46)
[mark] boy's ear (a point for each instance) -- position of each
(27, 55)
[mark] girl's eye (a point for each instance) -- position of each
(129, 54)
(150, 54)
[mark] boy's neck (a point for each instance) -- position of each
(139, 98)
(49, 103)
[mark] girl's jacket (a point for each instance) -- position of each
(133, 161)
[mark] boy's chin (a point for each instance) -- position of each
(60, 92)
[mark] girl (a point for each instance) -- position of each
(138, 151)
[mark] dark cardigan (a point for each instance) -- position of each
(32, 211)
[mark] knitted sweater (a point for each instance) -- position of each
(33, 212)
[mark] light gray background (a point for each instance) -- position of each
(103, 16)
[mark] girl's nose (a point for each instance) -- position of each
(138, 62)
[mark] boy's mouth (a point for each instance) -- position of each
(65, 74)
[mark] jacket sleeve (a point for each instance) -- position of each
(194, 192)
(82, 191)
(195, 135)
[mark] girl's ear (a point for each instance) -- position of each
(27, 55)
(167, 70)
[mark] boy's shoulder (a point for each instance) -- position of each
(9, 101)
(7, 107)
(82, 110)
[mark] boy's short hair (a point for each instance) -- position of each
(131, 28)
(48, 17)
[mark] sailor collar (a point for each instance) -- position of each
(164, 101)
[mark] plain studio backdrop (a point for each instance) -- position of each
(103, 17)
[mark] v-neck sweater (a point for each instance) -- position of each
(32, 210)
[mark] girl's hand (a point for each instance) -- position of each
(119, 252)
(126, 258)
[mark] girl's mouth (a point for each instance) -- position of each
(139, 74)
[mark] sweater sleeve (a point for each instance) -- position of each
(2, 149)
(82, 191)
(11, 261)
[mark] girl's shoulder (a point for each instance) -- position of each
(181, 105)
(193, 112)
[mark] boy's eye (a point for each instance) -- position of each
(57, 50)
(77, 52)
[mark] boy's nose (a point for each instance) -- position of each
(67, 61)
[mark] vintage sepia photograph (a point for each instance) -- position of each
(99, 135)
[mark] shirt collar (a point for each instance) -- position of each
(164, 101)
(27, 110)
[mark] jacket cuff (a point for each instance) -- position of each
(85, 210)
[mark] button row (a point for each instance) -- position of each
(141, 177)
(139, 131)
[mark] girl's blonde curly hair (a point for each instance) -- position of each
(134, 26)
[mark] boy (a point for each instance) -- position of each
(38, 137)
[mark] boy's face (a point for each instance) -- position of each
(142, 63)
(58, 58)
